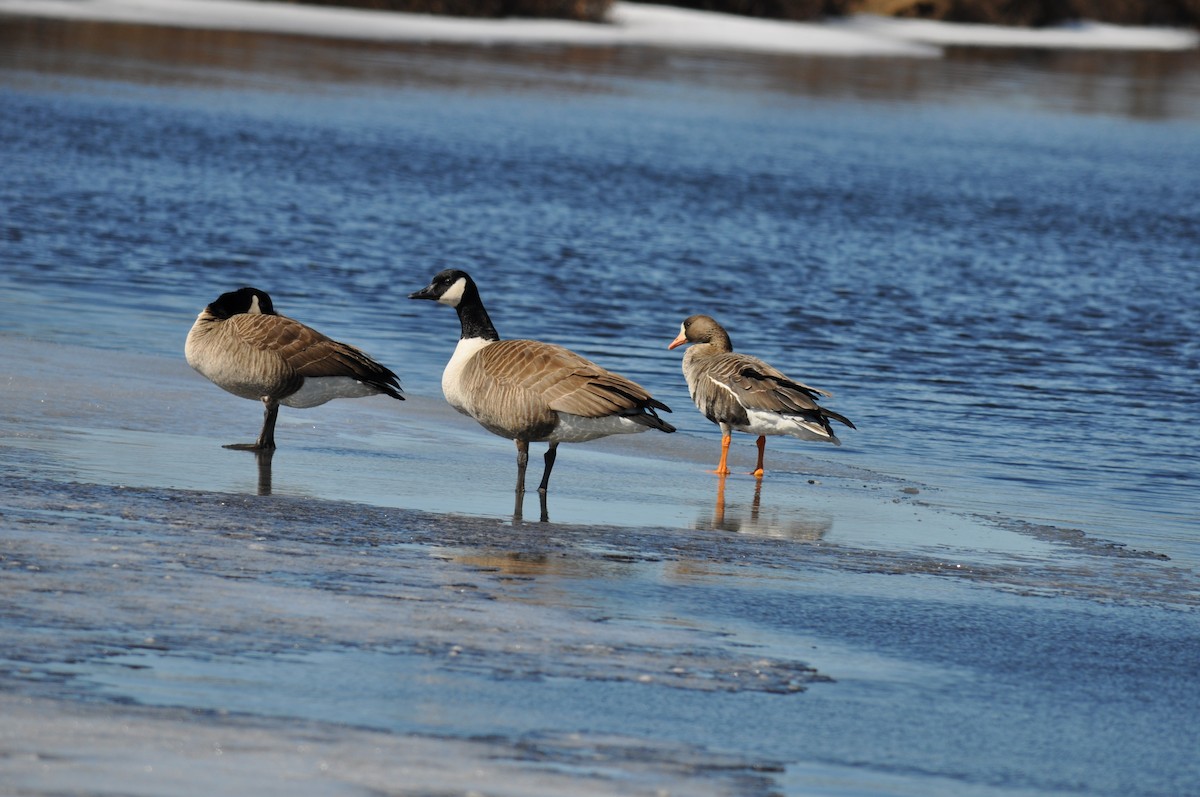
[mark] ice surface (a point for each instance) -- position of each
(367, 625)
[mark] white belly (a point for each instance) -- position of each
(318, 390)
(577, 429)
(773, 423)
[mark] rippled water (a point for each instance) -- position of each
(1001, 296)
(989, 259)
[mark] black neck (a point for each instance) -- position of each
(473, 317)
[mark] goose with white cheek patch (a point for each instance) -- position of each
(737, 391)
(529, 391)
(242, 345)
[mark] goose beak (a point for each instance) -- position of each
(425, 293)
(679, 341)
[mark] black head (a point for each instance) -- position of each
(448, 287)
(243, 300)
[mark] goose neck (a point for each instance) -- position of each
(474, 317)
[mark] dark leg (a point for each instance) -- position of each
(264, 470)
(266, 438)
(551, 453)
(522, 461)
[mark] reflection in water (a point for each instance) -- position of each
(547, 573)
(771, 524)
(263, 458)
(519, 508)
(1144, 85)
(519, 564)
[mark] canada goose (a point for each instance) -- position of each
(242, 345)
(529, 391)
(737, 391)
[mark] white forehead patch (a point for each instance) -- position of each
(254, 308)
(453, 295)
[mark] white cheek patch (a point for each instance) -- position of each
(454, 293)
(254, 308)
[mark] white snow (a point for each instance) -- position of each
(629, 24)
(1080, 35)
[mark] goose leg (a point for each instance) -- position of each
(266, 438)
(551, 453)
(522, 461)
(719, 507)
(722, 467)
(762, 448)
(263, 458)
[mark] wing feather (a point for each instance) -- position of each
(740, 383)
(307, 353)
(555, 378)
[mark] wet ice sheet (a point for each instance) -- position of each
(360, 616)
(621, 660)
(161, 426)
(371, 620)
(63, 749)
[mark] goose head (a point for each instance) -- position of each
(702, 329)
(448, 287)
(243, 300)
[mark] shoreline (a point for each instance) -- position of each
(631, 25)
(310, 644)
(382, 458)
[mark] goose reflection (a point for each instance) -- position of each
(528, 565)
(739, 518)
(263, 458)
(519, 509)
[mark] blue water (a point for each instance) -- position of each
(1002, 298)
(989, 259)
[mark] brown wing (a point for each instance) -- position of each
(560, 380)
(306, 352)
(731, 383)
(763, 387)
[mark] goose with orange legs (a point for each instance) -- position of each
(739, 392)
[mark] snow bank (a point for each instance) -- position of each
(631, 24)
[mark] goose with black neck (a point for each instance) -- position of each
(529, 391)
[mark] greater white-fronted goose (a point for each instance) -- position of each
(529, 391)
(242, 345)
(737, 391)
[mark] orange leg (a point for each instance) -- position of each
(722, 467)
(719, 509)
(762, 449)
